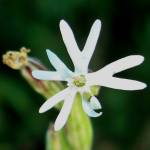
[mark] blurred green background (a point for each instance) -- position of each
(125, 124)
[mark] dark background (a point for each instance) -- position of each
(125, 124)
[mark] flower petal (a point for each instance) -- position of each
(51, 102)
(91, 42)
(70, 43)
(123, 64)
(124, 84)
(95, 104)
(103, 77)
(47, 75)
(65, 111)
(88, 108)
(58, 64)
(116, 83)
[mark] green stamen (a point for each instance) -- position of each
(79, 81)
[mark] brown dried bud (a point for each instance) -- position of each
(15, 59)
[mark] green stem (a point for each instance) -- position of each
(76, 135)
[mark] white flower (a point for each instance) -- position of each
(80, 80)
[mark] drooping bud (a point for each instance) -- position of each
(19, 60)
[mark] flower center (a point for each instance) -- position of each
(79, 81)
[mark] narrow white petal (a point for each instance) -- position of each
(65, 111)
(116, 83)
(51, 102)
(89, 107)
(58, 64)
(68, 37)
(70, 43)
(124, 84)
(47, 75)
(91, 42)
(123, 64)
(95, 104)
(89, 110)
